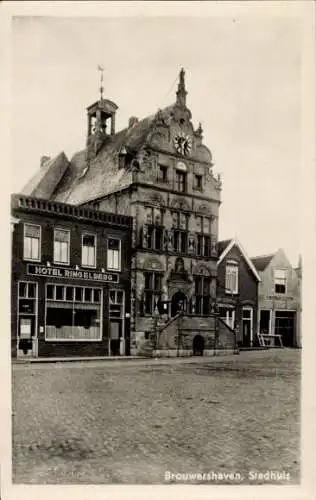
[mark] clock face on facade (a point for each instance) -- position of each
(183, 144)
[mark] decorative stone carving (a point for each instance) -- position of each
(213, 245)
(144, 236)
(169, 239)
(153, 264)
(204, 209)
(180, 204)
(192, 243)
(202, 270)
(156, 199)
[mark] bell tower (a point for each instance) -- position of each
(101, 121)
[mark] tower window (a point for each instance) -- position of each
(181, 178)
(198, 182)
(162, 173)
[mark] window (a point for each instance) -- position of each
(88, 257)
(231, 277)
(203, 248)
(198, 182)
(154, 238)
(153, 230)
(162, 173)
(71, 315)
(280, 281)
(203, 245)
(32, 237)
(181, 178)
(114, 254)
(180, 234)
(116, 304)
(228, 315)
(152, 291)
(61, 246)
(202, 295)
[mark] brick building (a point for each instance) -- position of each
(280, 304)
(237, 291)
(159, 171)
(70, 280)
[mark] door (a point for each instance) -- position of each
(247, 327)
(178, 303)
(285, 326)
(115, 337)
(26, 335)
(198, 345)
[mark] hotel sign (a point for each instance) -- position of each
(61, 272)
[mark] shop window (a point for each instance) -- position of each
(78, 294)
(114, 254)
(60, 292)
(69, 293)
(88, 257)
(87, 294)
(61, 246)
(32, 238)
(74, 317)
(231, 277)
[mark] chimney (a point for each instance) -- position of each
(44, 159)
(132, 121)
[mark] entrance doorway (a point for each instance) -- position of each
(285, 326)
(247, 327)
(265, 321)
(198, 345)
(178, 303)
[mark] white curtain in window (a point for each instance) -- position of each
(231, 279)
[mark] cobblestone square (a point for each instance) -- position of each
(145, 421)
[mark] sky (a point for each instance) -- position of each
(243, 77)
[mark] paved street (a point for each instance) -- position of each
(130, 422)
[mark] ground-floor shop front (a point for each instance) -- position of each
(70, 318)
(280, 322)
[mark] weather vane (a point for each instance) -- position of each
(101, 69)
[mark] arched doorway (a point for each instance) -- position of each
(178, 303)
(198, 345)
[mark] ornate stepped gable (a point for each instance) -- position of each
(111, 160)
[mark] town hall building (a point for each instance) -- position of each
(159, 171)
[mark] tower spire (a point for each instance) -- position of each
(181, 92)
(101, 69)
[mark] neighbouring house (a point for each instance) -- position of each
(70, 286)
(159, 171)
(237, 291)
(279, 297)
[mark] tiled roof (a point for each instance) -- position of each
(261, 262)
(46, 179)
(221, 245)
(77, 184)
